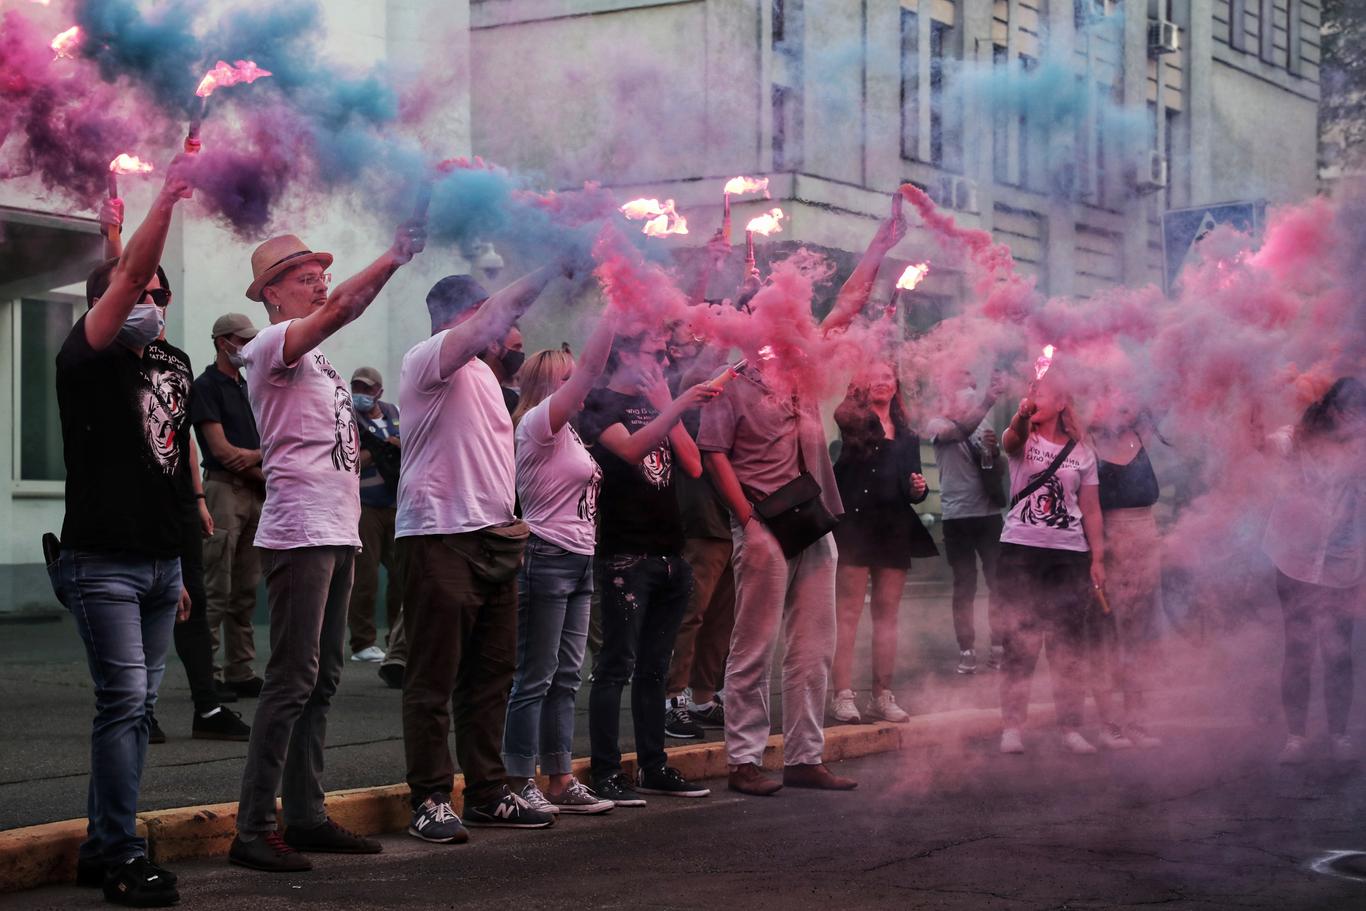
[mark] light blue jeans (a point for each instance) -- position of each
(554, 589)
(124, 606)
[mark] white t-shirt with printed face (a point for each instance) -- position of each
(557, 482)
(457, 473)
(310, 447)
(1051, 515)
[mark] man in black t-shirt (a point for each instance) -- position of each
(633, 428)
(125, 443)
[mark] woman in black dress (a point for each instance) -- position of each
(879, 479)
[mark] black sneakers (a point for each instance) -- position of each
(91, 874)
(669, 782)
(330, 838)
(392, 675)
(154, 732)
(247, 689)
(507, 812)
(270, 853)
(138, 883)
(678, 722)
(710, 715)
(221, 724)
(619, 790)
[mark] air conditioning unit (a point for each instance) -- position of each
(957, 193)
(1150, 171)
(1164, 37)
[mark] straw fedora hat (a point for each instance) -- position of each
(278, 255)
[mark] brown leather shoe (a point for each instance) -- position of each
(750, 779)
(817, 776)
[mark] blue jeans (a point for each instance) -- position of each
(644, 598)
(554, 588)
(124, 606)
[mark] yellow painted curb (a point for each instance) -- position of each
(46, 853)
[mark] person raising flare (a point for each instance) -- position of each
(459, 549)
(379, 460)
(117, 566)
(633, 426)
(971, 517)
(234, 490)
(1052, 560)
(1316, 537)
(760, 436)
(557, 483)
(878, 474)
(308, 540)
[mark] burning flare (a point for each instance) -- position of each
(740, 185)
(661, 219)
(222, 75)
(64, 45)
(1044, 362)
(768, 223)
(129, 164)
(767, 353)
(912, 276)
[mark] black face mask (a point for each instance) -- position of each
(512, 362)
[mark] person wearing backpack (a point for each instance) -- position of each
(1050, 574)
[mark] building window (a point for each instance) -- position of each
(42, 327)
(787, 129)
(1293, 36)
(1267, 24)
(1000, 124)
(910, 84)
(1237, 24)
(945, 133)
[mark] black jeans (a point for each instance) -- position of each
(1322, 616)
(193, 641)
(965, 542)
(644, 598)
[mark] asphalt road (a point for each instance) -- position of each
(1208, 822)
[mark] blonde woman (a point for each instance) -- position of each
(557, 483)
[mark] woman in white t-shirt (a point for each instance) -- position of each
(1052, 560)
(557, 485)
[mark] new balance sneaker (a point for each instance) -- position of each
(507, 811)
(1112, 737)
(579, 798)
(668, 782)
(844, 709)
(1342, 750)
(1138, 735)
(536, 800)
(967, 661)
(220, 724)
(1073, 742)
(885, 707)
(330, 838)
(435, 821)
(373, 654)
(154, 732)
(139, 883)
(708, 714)
(619, 790)
(678, 722)
(1011, 741)
(269, 853)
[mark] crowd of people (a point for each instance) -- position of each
(696, 502)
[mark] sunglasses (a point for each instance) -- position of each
(160, 297)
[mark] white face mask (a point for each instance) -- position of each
(235, 357)
(144, 325)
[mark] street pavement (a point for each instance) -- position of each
(1205, 822)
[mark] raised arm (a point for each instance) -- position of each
(349, 299)
(493, 319)
(1013, 440)
(566, 401)
(855, 292)
(966, 422)
(138, 263)
(634, 447)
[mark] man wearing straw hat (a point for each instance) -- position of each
(308, 540)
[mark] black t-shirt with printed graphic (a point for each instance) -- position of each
(637, 505)
(125, 439)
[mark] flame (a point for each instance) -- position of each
(768, 223)
(1044, 362)
(129, 164)
(766, 353)
(738, 185)
(912, 276)
(222, 74)
(64, 45)
(661, 219)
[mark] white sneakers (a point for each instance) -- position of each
(1342, 749)
(844, 708)
(1011, 742)
(1294, 752)
(373, 654)
(1112, 738)
(1073, 742)
(1138, 735)
(885, 707)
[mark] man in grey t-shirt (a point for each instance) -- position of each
(972, 523)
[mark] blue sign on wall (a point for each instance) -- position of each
(1182, 229)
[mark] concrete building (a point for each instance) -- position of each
(1065, 127)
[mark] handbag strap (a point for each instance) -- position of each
(1042, 479)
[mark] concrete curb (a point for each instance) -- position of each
(36, 855)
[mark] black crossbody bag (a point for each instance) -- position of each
(1042, 479)
(795, 513)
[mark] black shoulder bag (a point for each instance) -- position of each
(1042, 479)
(795, 513)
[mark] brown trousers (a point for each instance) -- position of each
(462, 640)
(699, 659)
(232, 569)
(376, 548)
